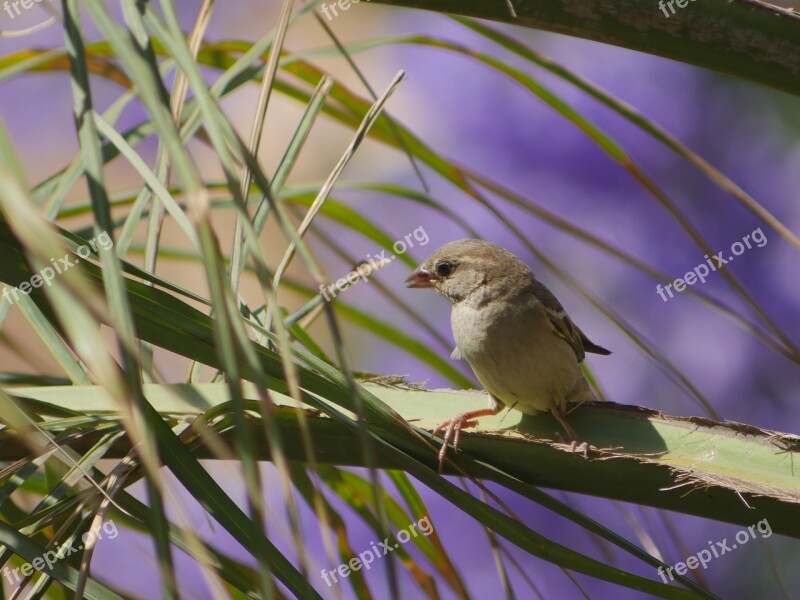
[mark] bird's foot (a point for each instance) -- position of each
(452, 428)
(575, 444)
(582, 447)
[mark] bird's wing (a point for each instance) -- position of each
(563, 325)
(559, 320)
(590, 346)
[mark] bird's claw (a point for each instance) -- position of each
(452, 428)
(582, 447)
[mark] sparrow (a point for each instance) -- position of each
(518, 340)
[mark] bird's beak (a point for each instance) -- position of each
(419, 279)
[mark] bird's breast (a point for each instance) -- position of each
(516, 355)
(486, 327)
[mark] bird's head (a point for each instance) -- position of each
(464, 268)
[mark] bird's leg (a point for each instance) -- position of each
(575, 445)
(454, 426)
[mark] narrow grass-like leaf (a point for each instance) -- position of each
(60, 351)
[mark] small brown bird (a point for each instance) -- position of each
(513, 332)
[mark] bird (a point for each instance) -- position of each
(512, 331)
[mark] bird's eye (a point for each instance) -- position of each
(443, 269)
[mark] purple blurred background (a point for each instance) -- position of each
(490, 124)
